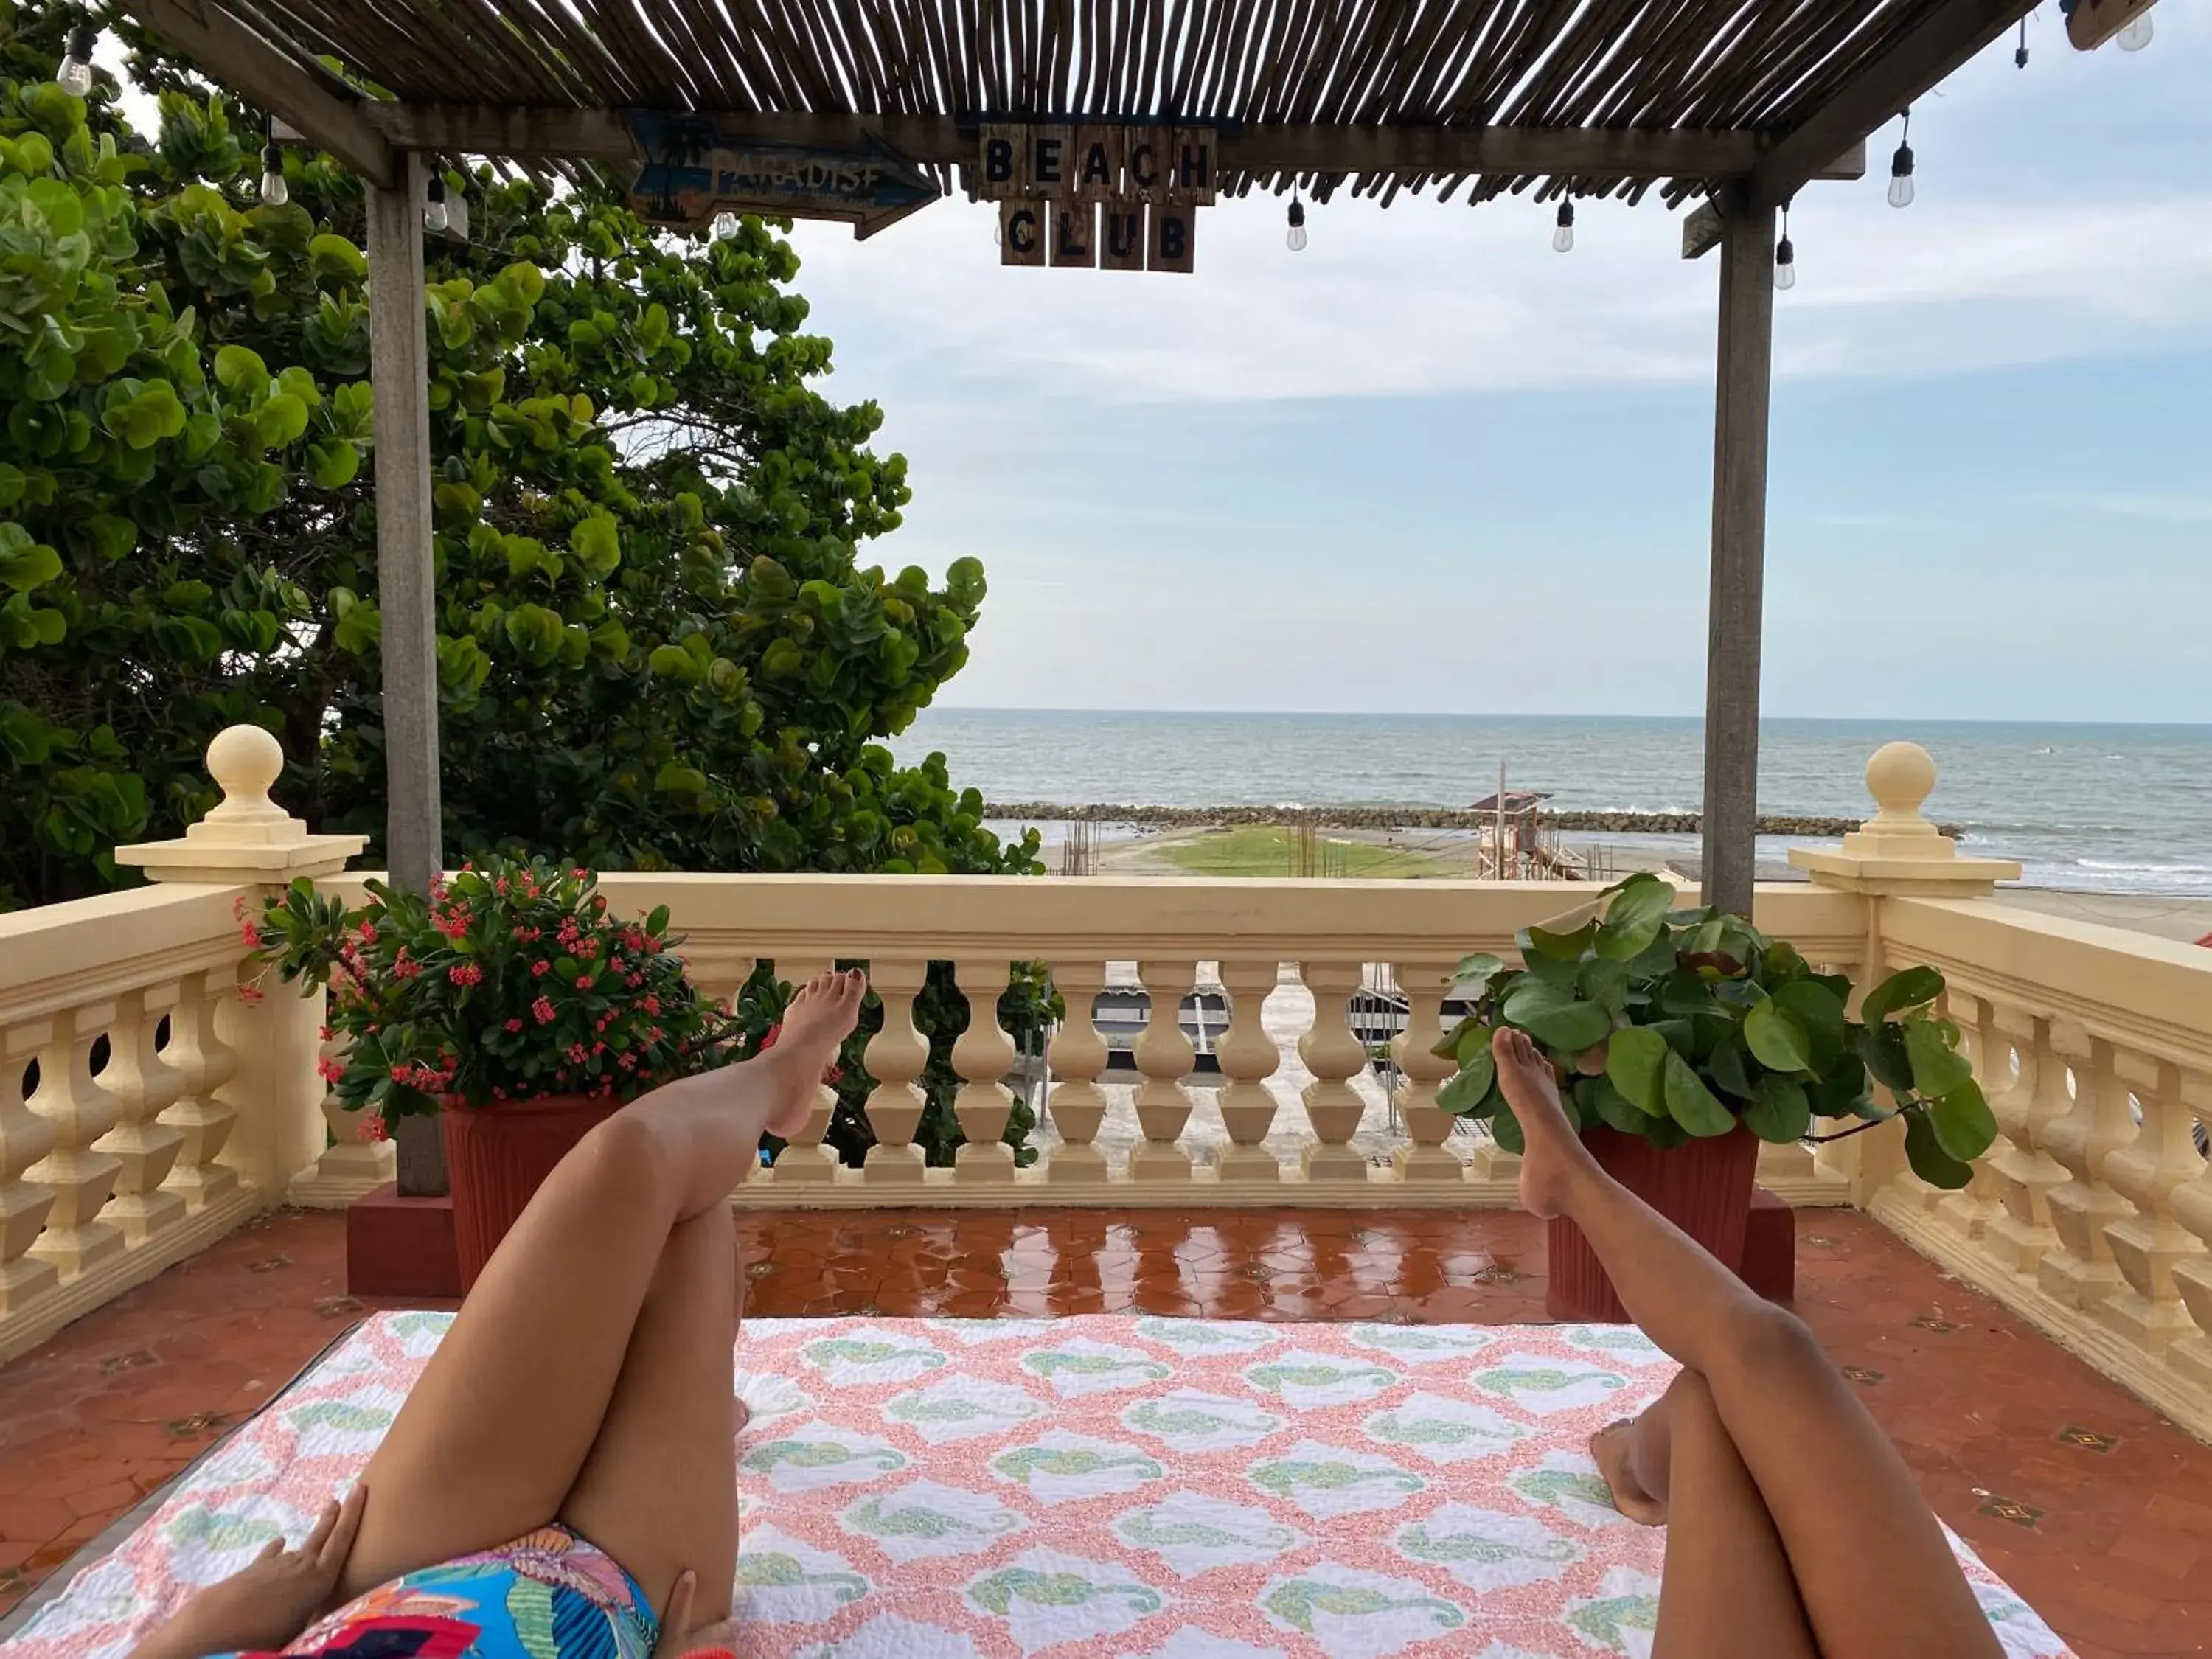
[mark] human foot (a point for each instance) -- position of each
(819, 1017)
(1553, 1150)
(1611, 1446)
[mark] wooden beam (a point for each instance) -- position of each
(1701, 228)
(1733, 613)
(603, 136)
(399, 370)
(1946, 37)
(243, 62)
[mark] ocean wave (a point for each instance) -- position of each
(2122, 866)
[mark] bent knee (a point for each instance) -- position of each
(627, 1152)
(1766, 1338)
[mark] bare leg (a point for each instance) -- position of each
(499, 1431)
(1877, 1578)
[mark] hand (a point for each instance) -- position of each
(679, 1639)
(271, 1600)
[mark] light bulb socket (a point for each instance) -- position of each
(82, 38)
(1900, 164)
(2019, 58)
(1785, 253)
(435, 190)
(1566, 215)
(272, 157)
(1298, 213)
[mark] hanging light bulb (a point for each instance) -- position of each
(274, 191)
(435, 216)
(457, 218)
(1785, 262)
(725, 227)
(2137, 35)
(74, 74)
(1900, 168)
(1562, 238)
(2020, 52)
(1295, 239)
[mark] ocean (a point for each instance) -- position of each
(2108, 808)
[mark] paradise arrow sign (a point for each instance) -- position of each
(691, 171)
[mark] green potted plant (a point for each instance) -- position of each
(1682, 1039)
(509, 1002)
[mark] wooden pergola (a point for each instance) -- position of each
(1733, 104)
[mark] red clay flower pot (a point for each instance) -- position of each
(497, 1156)
(1704, 1187)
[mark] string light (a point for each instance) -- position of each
(274, 191)
(2020, 53)
(2137, 35)
(435, 216)
(74, 74)
(1563, 237)
(1900, 167)
(1295, 240)
(1785, 257)
(725, 227)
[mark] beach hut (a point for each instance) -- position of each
(1104, 131)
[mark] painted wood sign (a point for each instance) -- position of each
(1097, 195)
(689, 172)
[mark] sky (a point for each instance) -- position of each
(1429, 466)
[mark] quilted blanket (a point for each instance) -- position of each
(1181, 1489)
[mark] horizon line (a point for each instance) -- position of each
(1460, 714)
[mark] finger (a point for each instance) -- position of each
(321, 1530)
(273, 1549)
(339, 1545)
(676, 1620)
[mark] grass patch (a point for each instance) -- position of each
(1265, 849)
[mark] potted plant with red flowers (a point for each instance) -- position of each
(1684, 1038)
(509, 1002)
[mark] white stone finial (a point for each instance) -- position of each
(1899, 776)
(246, 836)
(1898, 850)
(244, 761)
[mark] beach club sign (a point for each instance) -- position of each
(1097, 195)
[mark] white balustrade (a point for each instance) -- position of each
(2081, 1273)
(2148, 1245)
(1424, 1158)
(2023, 1169)
(79, 1111)
(896, 1057)
(144, 1086)
(982, 1055)
(1077, 1056)
(1334, 1056)
(1164, 1056)
(1248, 1058)
(25, 1138)
(201, 1117)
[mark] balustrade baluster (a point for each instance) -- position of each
(2191, 1354)
(144, 1086)
(1427, 1125)
(2082, 1273)
(25, 1138)
(897, 1055)
(1248, 1058)
(79, 1110)
(204, 1062)
(1077, 1056)
(803, 1158)
(349, 1166)
(983, 1054)
(2151, 1243)
(1164, 1056)
(1970, 1212)
(2025, 1172)
(1334, 1056)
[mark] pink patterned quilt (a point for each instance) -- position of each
(1180, 1489)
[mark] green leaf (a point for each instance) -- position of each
(1962, 1121)
(26, 564)
(1473, 974)
(1636, 1061)
(1505, 1129)
(332, 464)
(1466, 1090)
(1909, 988)
(1777, 1041)
(1474, 1037)
(1684, 993)
(1927, 1156)
(1562, 947)
(1599, 1099)
(1725, 1066)
(1931, 1053)
(1882, 1047)
(1605, 981)
(1554, 1018)
(1692, 1105)
(1820, 1012)
(1636, 917)
(1447, 1046)
(1779, 1110)
(241, 370)
(1844, 1089)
